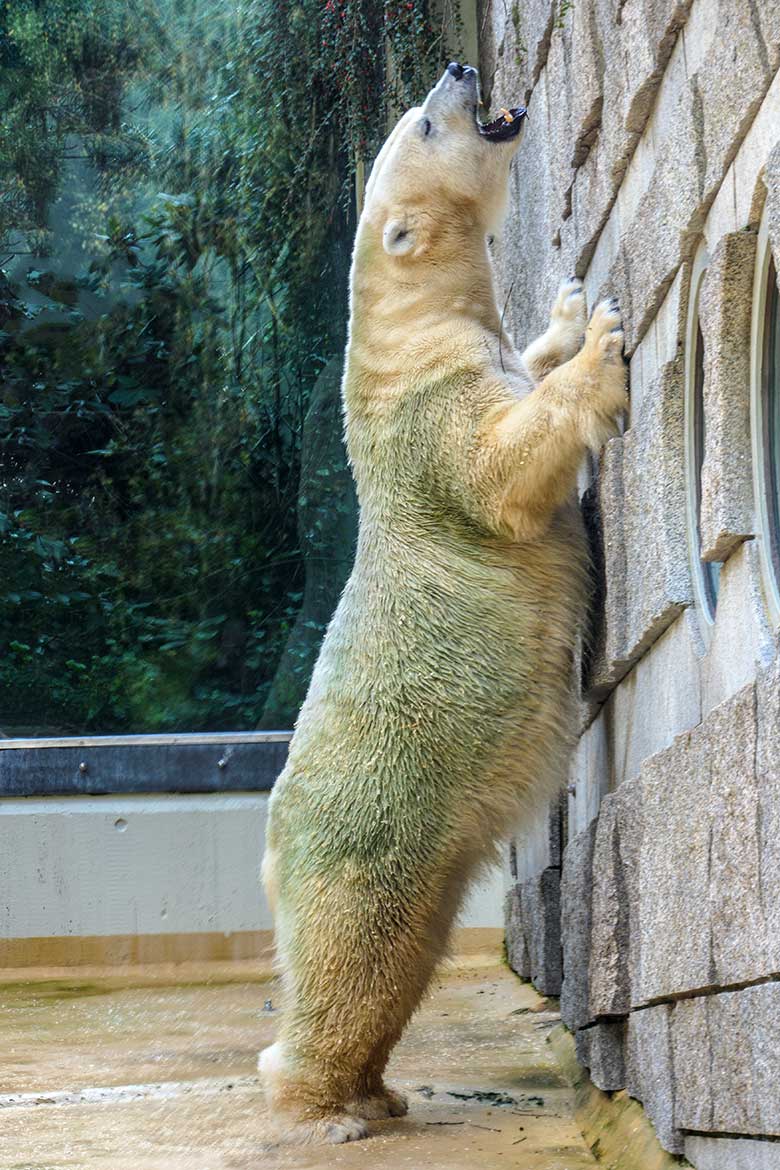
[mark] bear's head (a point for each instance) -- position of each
(442, 175)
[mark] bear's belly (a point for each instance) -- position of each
(443, 683)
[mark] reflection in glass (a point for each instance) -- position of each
(710, 569)
(176, 513)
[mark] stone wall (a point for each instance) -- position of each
(650, 167)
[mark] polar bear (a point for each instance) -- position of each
(440, 710)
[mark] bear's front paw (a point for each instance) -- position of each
(569, 309)
(605, 373)
(604, 337)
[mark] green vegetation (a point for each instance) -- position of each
(176, 212)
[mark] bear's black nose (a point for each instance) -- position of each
(456, 69)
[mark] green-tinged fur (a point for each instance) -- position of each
(440, 709)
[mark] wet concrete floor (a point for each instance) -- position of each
(138, 1073)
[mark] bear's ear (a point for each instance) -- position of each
(399, 237)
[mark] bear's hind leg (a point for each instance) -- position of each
(375, 1100)
(324, 1077)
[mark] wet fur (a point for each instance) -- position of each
(440, 712)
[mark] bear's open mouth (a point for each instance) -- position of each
(505, 127)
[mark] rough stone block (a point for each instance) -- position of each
(541, 911)
(629, 56)
(740, 638)
(586, 65)
(514, 42)
(742, 944)
(658, 583)
(725, 308)
(702, 907)
(608, 661)
(730, 86)
(590, 197)
(751, 166)
(590, 775)
(768, 786)
(576, 880)
(516, 946)
(648, 34)
(530, 270)
(671, 215)
(669, 324)
(560, 133)
(659, 699)
(649, 1071)
(615, 901)
(723, 1153)
(696, 141)
(772, 182)
(539, 845)
(727, 1062)
(600, 1048)
(535, 22)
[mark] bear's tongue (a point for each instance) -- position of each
(507, 126)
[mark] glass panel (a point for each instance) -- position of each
(710, 569)
(176, 513)
(771, 392)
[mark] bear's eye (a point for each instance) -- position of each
(426, 127)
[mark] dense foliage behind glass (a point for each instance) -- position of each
(176, 514)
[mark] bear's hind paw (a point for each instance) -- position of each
(333, 1129)
(342, 1127)
(380, 1106)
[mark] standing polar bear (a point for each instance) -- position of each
(440, 710)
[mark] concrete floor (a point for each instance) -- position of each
(137, 1073)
